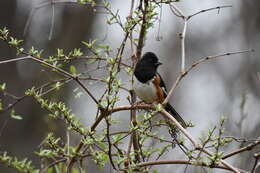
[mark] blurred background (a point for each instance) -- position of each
(213, 89)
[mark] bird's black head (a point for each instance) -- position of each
(146, 67)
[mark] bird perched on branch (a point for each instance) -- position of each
(149, 85)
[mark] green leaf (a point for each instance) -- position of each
(106, 4)
(2, 86)
(78, 95)
(76, 52)
(57, 85)
(73, 69)
(90, 44)
(32, 51)
(14, 41)
(50, 170)
(15, 116)
(4, 31)
(19, 51)
(60, 53)
(158, 107)
(129, 70)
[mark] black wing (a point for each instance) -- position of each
(169, 107)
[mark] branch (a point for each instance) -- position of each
(179, 162)
(242, 140)
(176, 11)
(166, 115)
(44, 170)
(180, 14)
(209, 9)
(61, 71)
(135, 137)
(75, 78)
(182, 37)
(117, 109)
(19, 99)
(52, 19)
(182, 75)
(15, 60)
(256, 164)
(41, 5)
(240, 150)
(196, 145)
(109, 143)
(142, 32)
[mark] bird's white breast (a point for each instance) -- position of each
(145, 91)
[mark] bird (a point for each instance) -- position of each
(149, 85)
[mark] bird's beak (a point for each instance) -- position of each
(158, 63)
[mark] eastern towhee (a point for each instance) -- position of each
(149, 85)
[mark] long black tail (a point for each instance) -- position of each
(175, 114)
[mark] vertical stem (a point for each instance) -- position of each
(144, 9)
(52, 19)
(142, 31)
(131, 34)
(109, 142)
(182, 37)
(134, 136)
(68, 141)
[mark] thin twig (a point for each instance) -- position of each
(242, 140)
(15, 60)
(196, 145)
(142, 31)
(176, 11)
(158, 37)
(166, 115)
(61, 71)
(201, 60)
(52, 19)
(179, 162)
(109, 143)
(182, 37)
(209, 9)
(184, 162)
(53, 164)
(240, 150)
(19, 99)
(135, 137)
(256, 164)
(41, 5)
(75, 78)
